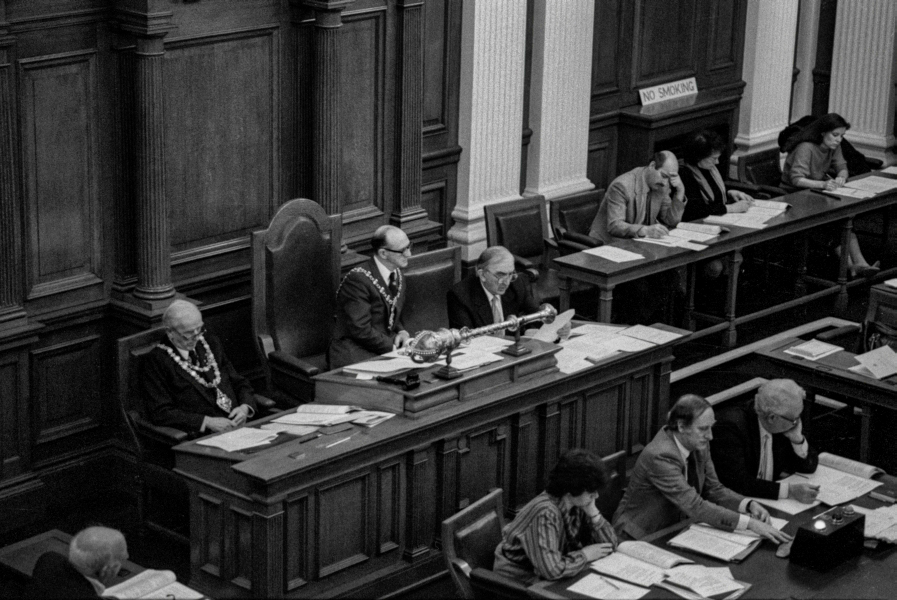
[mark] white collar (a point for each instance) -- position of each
(384, 270)
(489, 295)
(682, 450)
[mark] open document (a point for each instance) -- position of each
(239, 439)
(151, 584)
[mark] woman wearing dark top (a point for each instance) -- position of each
(815, 162)
(560, 531)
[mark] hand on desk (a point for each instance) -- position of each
(768, 531)
(803, 492)
(831, 184)
(595, 551)
(218, 424)
(656, 231)
(740, 206)
(239, 415)
(401, 339)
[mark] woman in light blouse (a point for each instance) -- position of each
(815, 162)
(560, 531)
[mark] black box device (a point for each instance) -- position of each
(829, 539)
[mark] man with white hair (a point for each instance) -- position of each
(755, 441)
(188, 382)
(95, 557)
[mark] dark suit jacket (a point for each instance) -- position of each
(659, 495)
(172, 397)
(55, 577)
(468, 305)
(362, 328)
(736, 451)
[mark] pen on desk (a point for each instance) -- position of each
(609, 582)
(823, 512)
(338, 442)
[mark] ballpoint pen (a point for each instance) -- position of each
(609, 582)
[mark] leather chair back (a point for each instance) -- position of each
(762, 169)
(428, 278)
(571, 219)
(295, 274)
(469, 538)
(610, 497)
(520, 226)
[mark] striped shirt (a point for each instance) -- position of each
(546, 538)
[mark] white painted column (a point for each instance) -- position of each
(864, 70)
(493, 44)
(768, 65)
(805, 59)
(559, 98)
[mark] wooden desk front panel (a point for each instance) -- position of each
(372, 517)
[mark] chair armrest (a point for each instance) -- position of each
(291, 362)
(580, 238)
(462, 566)
(568, 247)
(527, 267)
(165, 435)
(263, 401)
(773, 190)
(838, 332)
(874, 163)
(550, 244)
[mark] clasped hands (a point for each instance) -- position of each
(235, 419)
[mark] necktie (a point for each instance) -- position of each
(393, 288)
(692, 476)
(765, 468)
(497, 315)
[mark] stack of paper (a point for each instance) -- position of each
(596, 586)
(813, 350)
(370, 418)
(872, 184)
(650, 334)
(878, 363)
(549, 331)
(318, 419)
(679, 240)
(614, 254)
(385, 366)
(881, 523)
(239, 439)
(704, 581)
(835, 487)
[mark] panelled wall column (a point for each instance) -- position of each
(770, 34)
(490, 115)
(864, 73)
(559, 98)
(12, 314)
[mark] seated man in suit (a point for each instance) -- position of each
(674, 478)
(369, 302)
(95, 557)
(188, 382)
(757, 440)
(491, 294)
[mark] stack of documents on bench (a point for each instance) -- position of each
(591, 343)
(239, 439)
(813, 350)
(881, 523)
(729, 546)
(308, 417)
(641, 565)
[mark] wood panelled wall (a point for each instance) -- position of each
(142, 140)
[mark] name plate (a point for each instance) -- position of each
(668, 91)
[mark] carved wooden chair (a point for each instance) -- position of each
(469, 538)
(521, 226)
(428, 278)
(571, 219)
(295, 274)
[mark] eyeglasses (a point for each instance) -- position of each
(402, 251)
(509, 277)
(191, 335)
(792, 422)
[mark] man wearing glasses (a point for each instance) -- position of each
(491, 294)
(757, 440)
(188, 382)
(369, 302)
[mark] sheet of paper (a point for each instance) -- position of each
(329, 409)
(617, 255)
(702, 580)
(889, 170)
(652, 554)
(316, 419)
(177, 591)
(848, 465)
(487, 343)
(239, 439)
(629, 569)
(848, 192)
(813, 350)
(571, 361)
(599, 328)
(650, 334)
(549, 331)
(879, 520)
(371, 418)
(596, 586)
(891, 283)
(836, 487)
(744, 538)
(297, 430)
(673, 242)
(881, 362)
(788, 505)
(773, 204)
(469, 359)
(713, 230)
(388, 365)
(698, 541)
(737, 219)
(691, 236)
(873, 184)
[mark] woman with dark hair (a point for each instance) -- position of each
(707, 194)
(815, 162)
(560, 531)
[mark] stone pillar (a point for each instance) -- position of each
(805, 59)
(491, 115)
(864, 72)
(12, 313)
(407, 211)
(768, 68)
(326, 103)
(559, 98)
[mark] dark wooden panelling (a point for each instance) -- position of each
(433, 199)
(208, 513)
(58, 100)
(436, 50)
(390, 507)
(343, 511)
(63, 405)
(664, 41)
(300, 551)
(240, 538)
(422, 524)
(605, 47)
(14, 422)
(601, 164)
(725, 40)
(221, 138)
(602, 429)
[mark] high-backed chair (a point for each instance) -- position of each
(487, 585)
(152, 443)
(428, 278)
(611, 495)
(521, 226)
(762, 169)
(571, 219)
(469, 538)
(295, 274)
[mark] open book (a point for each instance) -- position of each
(638, 562)
(728, 546)
(152, 584)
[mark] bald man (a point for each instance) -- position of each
(189, 383)
(95, 557)
(368, 320)
(643, 202)
(758, 440)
